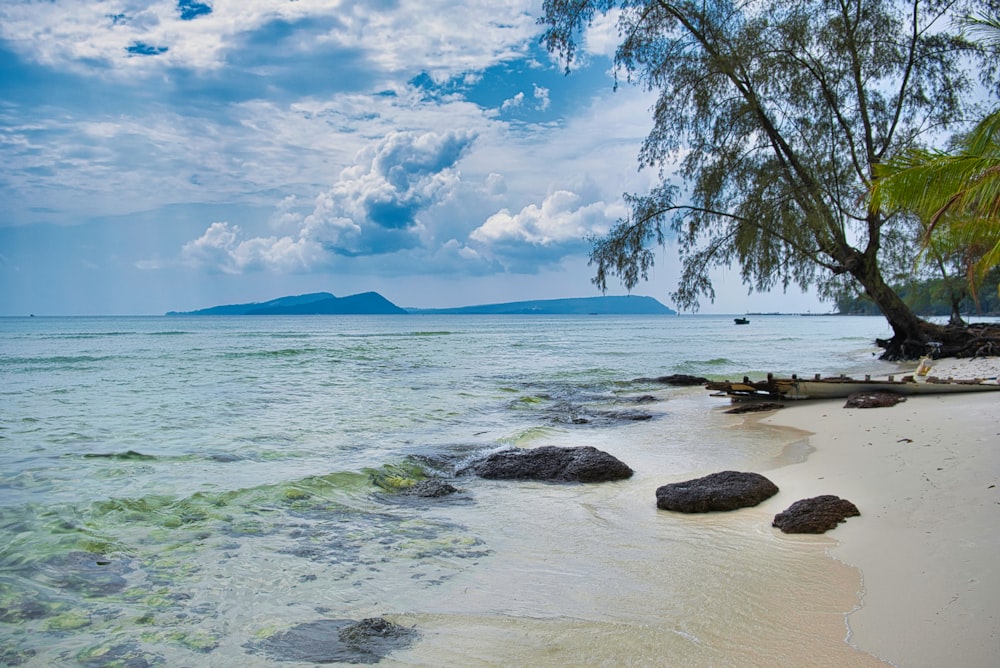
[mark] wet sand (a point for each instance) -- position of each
(925, 475)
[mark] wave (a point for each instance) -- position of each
(398, 335)
(716, 361)
(57, 360)
(283, 352)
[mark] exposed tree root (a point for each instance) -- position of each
(978, 340)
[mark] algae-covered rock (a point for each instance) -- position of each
(397, 477)
(431, 488)
(121, 655)
(68, 621)
(197, 641)
(336, 641)
(17, 607)
(10, 656)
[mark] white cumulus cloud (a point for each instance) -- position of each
(562, 217)
(220, 248)
(372, 209)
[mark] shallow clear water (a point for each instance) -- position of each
(174, 490)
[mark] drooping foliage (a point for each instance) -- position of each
(774, 115)
(954, 193)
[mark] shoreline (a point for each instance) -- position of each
(925, 475)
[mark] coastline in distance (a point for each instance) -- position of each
(372, 303)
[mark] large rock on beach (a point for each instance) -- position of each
(816, 515)
(551, 464)
(727, 490)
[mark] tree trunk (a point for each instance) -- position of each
(912, 336)
(956, 312)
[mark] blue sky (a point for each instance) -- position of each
(171, 155)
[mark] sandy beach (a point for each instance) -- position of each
(925, 475)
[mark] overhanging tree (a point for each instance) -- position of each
(776, 114)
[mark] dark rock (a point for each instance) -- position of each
(727, 490)
(754, 407)
(873, 399)
(127, 655)
(680, 379)
(92, 575)
(572, 413)
(432, 488)
(336, 641)
(551, 464)
(373, 629)
(128, 455)
(624, 416)
(644, 399)
(816, 515)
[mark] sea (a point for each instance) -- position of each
(230, 491)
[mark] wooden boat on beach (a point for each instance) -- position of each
(777, 389)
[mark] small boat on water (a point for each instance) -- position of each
(742, 321)
(777, 389)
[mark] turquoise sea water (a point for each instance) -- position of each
(176, 491)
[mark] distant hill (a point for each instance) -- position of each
(630, 305)
(372, 303)
(316, 303)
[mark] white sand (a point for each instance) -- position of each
(925, 475)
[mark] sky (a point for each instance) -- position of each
(178, 154)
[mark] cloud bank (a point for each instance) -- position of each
(287, 144)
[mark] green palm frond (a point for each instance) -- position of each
(958, 191)
(984, 28)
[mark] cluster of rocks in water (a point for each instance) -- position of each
(717, 492)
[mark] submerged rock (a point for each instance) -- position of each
(551, 464)
(128, 455)
(91, 575)
(129, 655)
(680, 379)
(873, 400)
(570, 413)
(727, 490)
(336, 641)
(816, 515)
(431, 488)
(624, 416)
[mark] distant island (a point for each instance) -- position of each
(630, 305)
(372, 303)
(316, 303)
